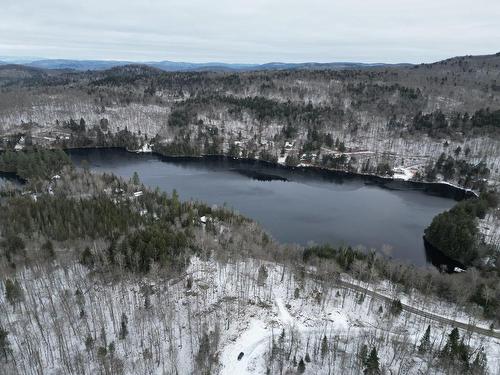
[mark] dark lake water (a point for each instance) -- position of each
(307, 207)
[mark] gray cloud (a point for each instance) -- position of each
(250, 30)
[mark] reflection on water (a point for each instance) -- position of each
(294, 207)
(439, 260)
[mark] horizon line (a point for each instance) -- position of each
(19, 59)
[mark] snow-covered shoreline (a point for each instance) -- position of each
(396, 178)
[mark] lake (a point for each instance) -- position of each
(293, 206)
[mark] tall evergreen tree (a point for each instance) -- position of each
(4, 343)
(48, 250)
(324, 347)
(123, 327)
(135, 179)
(13, 291)
(425, 343)
(204, 358)
(372, 363)
(363, 355)
(451, 349)
(479, 366)
(307, 358)
(396, 307)
(262, 275)
(301, 368)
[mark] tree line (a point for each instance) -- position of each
(476, 287)
(37, 164)
(455, 232)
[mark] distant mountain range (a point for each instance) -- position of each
(171, 66)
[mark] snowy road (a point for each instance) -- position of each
(254, 340)
(423, 313)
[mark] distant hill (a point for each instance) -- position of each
(76, 64)
(171, 66)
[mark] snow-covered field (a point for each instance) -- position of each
(205, 318)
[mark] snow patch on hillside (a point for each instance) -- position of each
(227, 301)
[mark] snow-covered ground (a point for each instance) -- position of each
(490, 228)
(237, 309)
(145, 149)
(402, 173)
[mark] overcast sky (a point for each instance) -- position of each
(252, 31)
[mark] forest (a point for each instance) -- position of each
(104, 275)
(40, 164)
(455, 232)
(383, 117)
(150, 228)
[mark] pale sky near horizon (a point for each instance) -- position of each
(250, 31)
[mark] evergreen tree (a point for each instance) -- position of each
(87, 258)
(451, 349)
(324, 347)
(4, 343)
(13, 244)
(292, 160)
(307, 357)
(80, 301)
(282, 337)
(456, 352)
(479, 366)
(455, 233)
(123, 327)
(147, 302)
(89, 343)
(396, 307)
(102, 352)
(301, 368)
(135, 179)
(82, 125)
(296, 293)
(13, 291)
(111, 348)
(363, 354)
(203, 355)
(463, 354)
(342, 147)
(425, 343)
(48, 250)
(372, 363)
(262, 275)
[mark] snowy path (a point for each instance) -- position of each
(253, 343)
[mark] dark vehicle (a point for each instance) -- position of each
(240, 356)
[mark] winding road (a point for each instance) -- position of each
(254, 341)
(422, 313)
